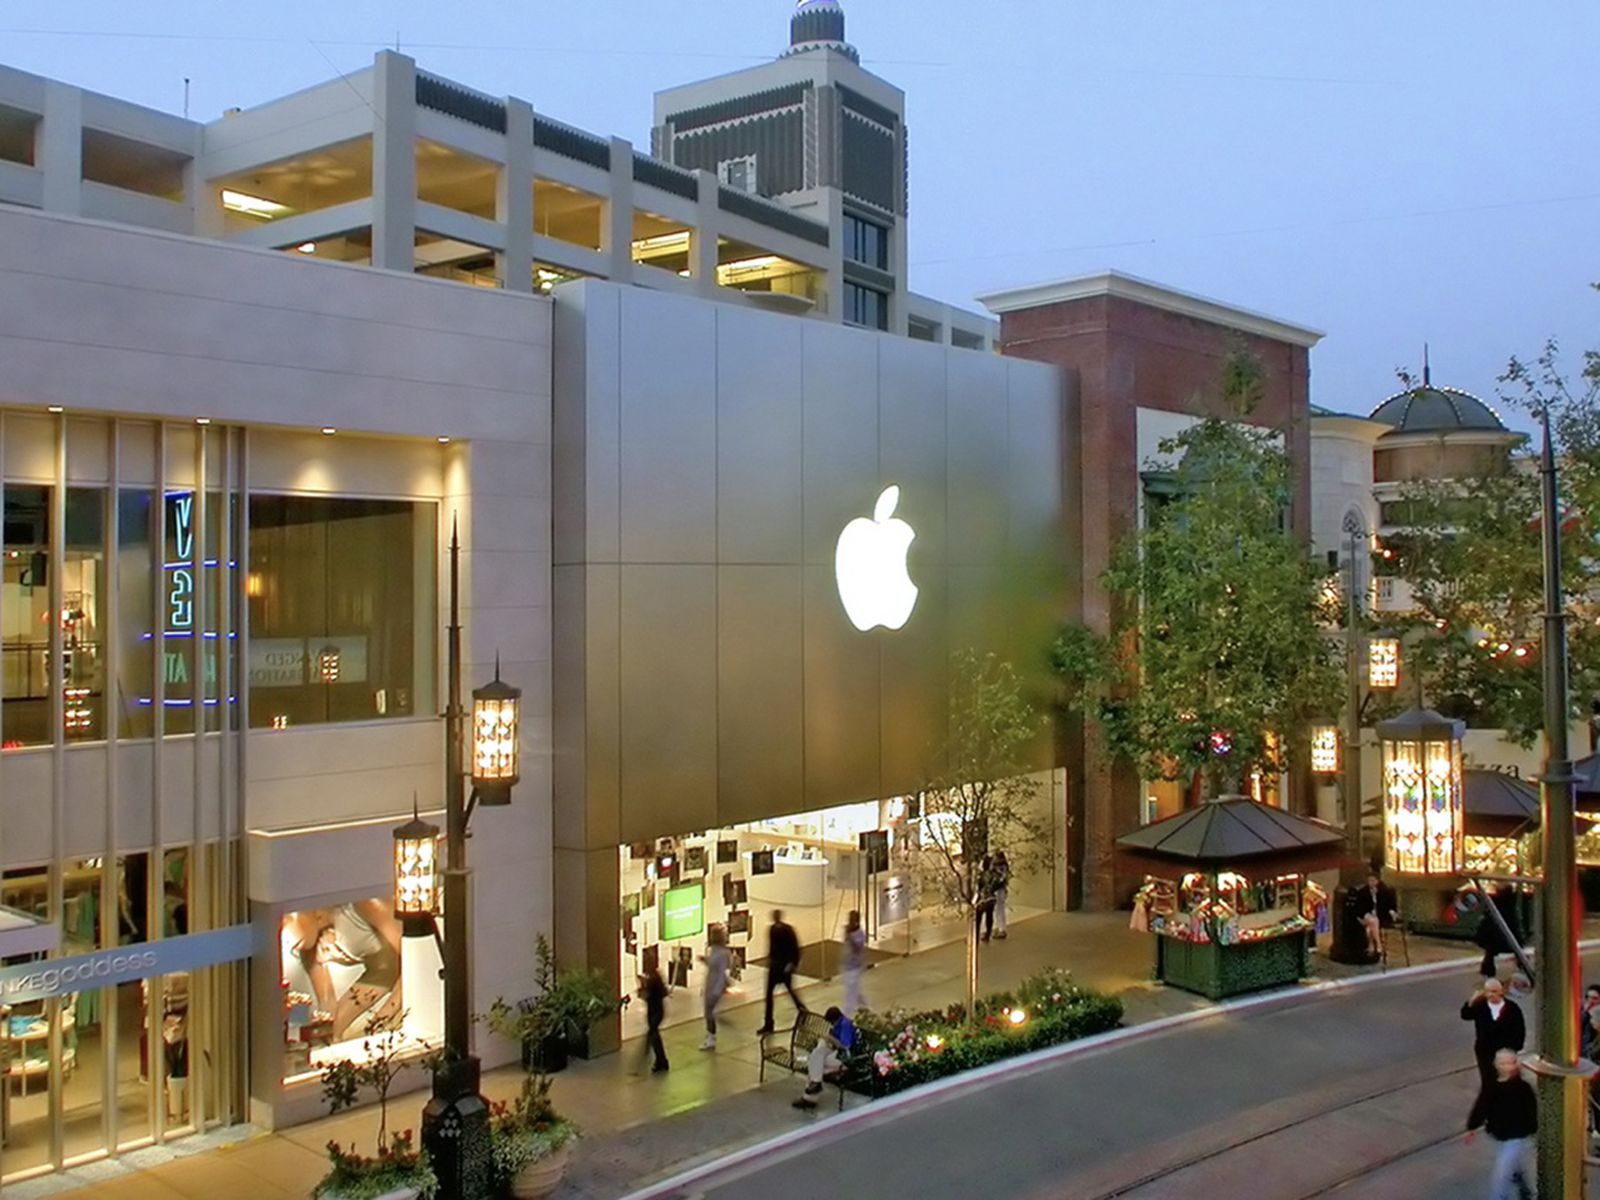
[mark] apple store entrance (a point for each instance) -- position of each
(814, 867)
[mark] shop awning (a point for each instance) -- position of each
(22, 935)
(1588, 786)
(1497, 804)
(1238, 831)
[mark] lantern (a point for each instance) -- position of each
(328, 664)
(1422, 793)
(416, 875)
(1325, 748)
(494, 740)
(1383, 662)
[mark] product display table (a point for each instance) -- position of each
(794, 882)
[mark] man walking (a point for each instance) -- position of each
(853, 960)
(1497, 1025)
(1509, 1109)
(783, 956)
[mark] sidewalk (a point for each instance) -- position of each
(639, 1126)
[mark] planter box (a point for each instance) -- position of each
(549, 1055)
(1217, 971)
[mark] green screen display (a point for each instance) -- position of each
(683, 911)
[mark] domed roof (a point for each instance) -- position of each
(819, 25)
(1430, 409)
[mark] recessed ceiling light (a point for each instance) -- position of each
(55, 408)
(329, 430)
(443, 441)
(202, 420)
(307, 247)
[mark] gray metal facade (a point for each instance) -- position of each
(706, 459)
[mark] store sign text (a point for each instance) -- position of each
(104, 968)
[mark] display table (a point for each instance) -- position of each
(1215, 970)
(794, 882)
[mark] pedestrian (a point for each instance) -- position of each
(1589, 1047)
(853, 960)
(1497, 1025)
(1508, 1108)
(984, 900)
(716, 959)
(1377, 910)
(1488, 935)
(827, 1055)
(783, 956)
(1002, 887)
(653, 991)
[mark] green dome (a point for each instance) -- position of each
(1430, 409)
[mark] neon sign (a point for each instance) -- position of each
(180, 578)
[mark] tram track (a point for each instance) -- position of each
(1392, 1091)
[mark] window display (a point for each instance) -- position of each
(343, 970)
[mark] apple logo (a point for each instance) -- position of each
(870, 567)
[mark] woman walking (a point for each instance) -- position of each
(853, 962)
(716, 960)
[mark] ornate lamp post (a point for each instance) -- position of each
(455, 1121)
(1324, 748)
(1422, 794)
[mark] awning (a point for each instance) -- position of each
(21, 934)
(1497, 804)
(1238, 832)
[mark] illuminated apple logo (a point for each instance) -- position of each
(870, 566)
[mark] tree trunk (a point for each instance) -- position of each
(972, 965)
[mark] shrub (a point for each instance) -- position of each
(909, 1048)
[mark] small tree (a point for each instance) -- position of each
(396, 1163)
(1217, 654)
(985, 800)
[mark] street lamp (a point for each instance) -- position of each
(455, 1121)
(1383, 662)
(1422, 796)
(1325, 748)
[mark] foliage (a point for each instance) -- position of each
(1471, 549)
(565, 1003)
(910, 1048)
(526, 1130)
(985, 800)
(355, 1176)
(1215, 658)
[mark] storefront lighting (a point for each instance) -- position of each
(416, 875)
(76, 715)
(494, 739)
(328, 664)
(254, 585)
(1383, 662)
(1325, 748)
(280, 720)
(1422, 793)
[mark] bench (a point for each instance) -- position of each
(790, 1049)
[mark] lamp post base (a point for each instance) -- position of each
(1562, 1138)
(455, 1133)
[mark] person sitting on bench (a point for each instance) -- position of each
(825, 1056)
(1377, 909)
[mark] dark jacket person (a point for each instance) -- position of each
(1497, 1024)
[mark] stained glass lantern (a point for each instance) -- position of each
(1325, 748)
(1383, 662)
(416, 875)
(495, 740)
(1422, 793)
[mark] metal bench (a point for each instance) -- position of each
(790, 1049)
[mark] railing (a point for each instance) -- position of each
(665, 176)
(461, 103)
(571, 142)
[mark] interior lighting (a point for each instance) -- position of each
(307, 248)
(202, 420)
(328, 431)
(253, 206)
(442, 440)
(55, 408)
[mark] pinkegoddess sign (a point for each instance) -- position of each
(869, 565)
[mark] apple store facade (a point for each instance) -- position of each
(771, 536)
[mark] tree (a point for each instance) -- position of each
(1217, 657)
(1471, 549)
(986, 800)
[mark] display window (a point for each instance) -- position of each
(346, 968)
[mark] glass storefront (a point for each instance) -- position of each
(810, 866)
(341, 596)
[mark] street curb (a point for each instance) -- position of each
(785, 1145)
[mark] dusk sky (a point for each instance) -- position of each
(1390, 173)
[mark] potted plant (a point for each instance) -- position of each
(529, 1138)
(578, 1000)
(398, 1171)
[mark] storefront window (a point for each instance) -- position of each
(345, 968)
(135, 606)
(342, 609)
(25, 611)
(82, 642)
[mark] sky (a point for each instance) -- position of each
(1389, 173)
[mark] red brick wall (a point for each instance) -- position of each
(1128, 355)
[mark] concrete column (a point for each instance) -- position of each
(58, 150)
(394, 162)
(703, 240)
(830, 304)
(203, 196)
(899, 302)
(513, 200)
(616, 230)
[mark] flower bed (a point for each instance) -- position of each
(906, 1048)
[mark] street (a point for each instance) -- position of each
(1358, 1091)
